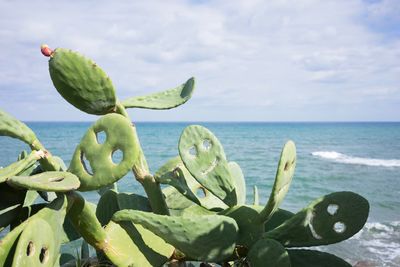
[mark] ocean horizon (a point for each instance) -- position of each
(363, 157)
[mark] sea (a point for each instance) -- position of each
(363, 157)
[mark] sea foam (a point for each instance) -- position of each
(343, 158)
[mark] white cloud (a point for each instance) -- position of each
(272, 60)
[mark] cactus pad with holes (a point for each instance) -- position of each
(163, 100)
(268, 252)
(53, 214)
(330, 219)
(36, 247)
(205, 238)
(204, 157)
(283, 179)
(82, 82)
(92, 162)
(10, 126)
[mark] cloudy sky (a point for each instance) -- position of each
(261, 60)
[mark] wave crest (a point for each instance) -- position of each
(343, 158)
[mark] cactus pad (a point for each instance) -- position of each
(174, 173)
(82, 82)
(92, 161)
(130, 245)
(36, 245)
(83, 218)
(111, 202)
(10, 126)
(330, 219)
(163, 100)
(240, 182)
(284, 175)
(204, 157)
(10, 204)
(205, 238)
(19, 166)
(248, 220)
(268, 252)
(47, 181)
(313, 258)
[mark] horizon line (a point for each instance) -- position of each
(203, 121)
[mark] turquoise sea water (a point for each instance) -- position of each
(359, 157)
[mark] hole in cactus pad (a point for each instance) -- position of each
(44, 255)
(30, 249)
(101, 137)
(201, 192)
(339, 227)
(207, 144)
(287, 166)
(117, 156)
(332, 209)
(86, 164)
(56, 179)
(193, 151)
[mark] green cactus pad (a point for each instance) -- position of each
(240, 182)
(174, 173)
(184, 190)
(82, 82)
(147, 247)
(112, 201)
(53, 214)
(10, 204)
(196, 210)
(268, 252)
(19, 166)
(47, 181)
(163, 100)
(204, 157)
(313, 258)
(135, 246)
(279, 217)
(83, 217)
(330, 219)
(248, 220)
(100, 170)
(284, 175)
(10, 126)
(175, 201)
(36, 245)
(204, 238)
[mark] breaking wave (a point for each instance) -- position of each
(343, 158)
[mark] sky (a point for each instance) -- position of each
(261, 60)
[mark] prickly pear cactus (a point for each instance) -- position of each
(204, 157)
(92, 161)
(199, 215)
(82, 82)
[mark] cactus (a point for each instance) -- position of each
(202, 237)
(100, 169)
(82, 82)
(201, 214)
(204, 157)
(163, 100)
